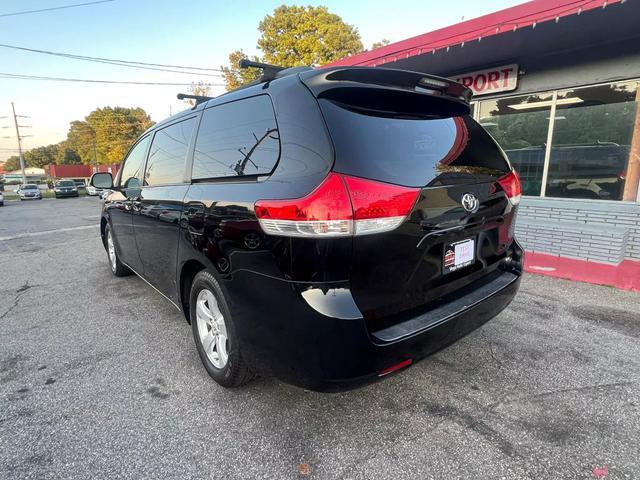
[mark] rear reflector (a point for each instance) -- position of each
(340, 206)
(510, 183)
(397, 366)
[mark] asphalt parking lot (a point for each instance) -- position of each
(99, 378)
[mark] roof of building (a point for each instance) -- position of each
(528, 14)
(28, 171)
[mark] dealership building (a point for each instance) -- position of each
(557, 84)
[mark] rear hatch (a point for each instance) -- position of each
(461, 224)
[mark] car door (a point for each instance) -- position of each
(157, 210)
(119, 204)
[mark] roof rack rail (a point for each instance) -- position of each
(269, 72)
(198, 98)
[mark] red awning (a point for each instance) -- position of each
(508, 20)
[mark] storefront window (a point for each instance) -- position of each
(520, 125)
(592, 137)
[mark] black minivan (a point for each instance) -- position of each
(324, 226)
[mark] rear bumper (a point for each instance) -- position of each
(288, 337)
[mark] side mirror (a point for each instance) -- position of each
(102, 180)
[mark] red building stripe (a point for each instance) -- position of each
(525, 15)
(625, 275)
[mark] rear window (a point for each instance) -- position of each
(409, 151)
(237, 139)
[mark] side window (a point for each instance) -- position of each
(168, 154)
(237, 138)
(131, 174)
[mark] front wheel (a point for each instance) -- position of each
(118, 268)
(215, 334)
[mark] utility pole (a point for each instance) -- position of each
(95, 155)
(15, 121)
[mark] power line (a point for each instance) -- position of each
(103, 59)
(86, 80)
(120, 63)
(25, 12)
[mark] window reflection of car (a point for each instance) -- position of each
(246, 232)
(586, 171)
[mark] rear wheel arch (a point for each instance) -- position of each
(188, 272)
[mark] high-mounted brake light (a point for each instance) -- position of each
(340, 206)
(510, 183)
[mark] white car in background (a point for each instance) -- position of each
(29, 191)
(1, 199)
(93, 191)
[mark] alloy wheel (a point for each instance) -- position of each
(212, 329)
(111, 249)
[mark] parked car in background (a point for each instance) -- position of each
(93, 191)
(80, 185)
(65, 188)
(29, 191)
(1, 199)
(328, 227)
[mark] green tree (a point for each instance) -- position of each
(109, 132)
(296, 36)
(12, 163)
(40, 156)
(382, 43)
(67, 155)
(234, 76)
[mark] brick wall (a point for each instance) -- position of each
(594, 230)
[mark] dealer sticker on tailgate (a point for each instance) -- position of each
(458, 255)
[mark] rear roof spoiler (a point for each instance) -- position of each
(358, 86)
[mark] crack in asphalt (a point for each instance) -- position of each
(483, 334)
(16, 300)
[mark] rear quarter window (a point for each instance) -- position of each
(238, 138)
(409, 151)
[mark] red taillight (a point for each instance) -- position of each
(510, 183)
(378, 207)
(340, 206)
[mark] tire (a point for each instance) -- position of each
(118, 268)
(233, 372)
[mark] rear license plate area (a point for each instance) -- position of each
(458, 255)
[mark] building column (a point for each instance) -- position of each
(633, 166)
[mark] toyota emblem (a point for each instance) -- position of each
(470, 202)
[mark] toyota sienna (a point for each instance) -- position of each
(324, 226)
